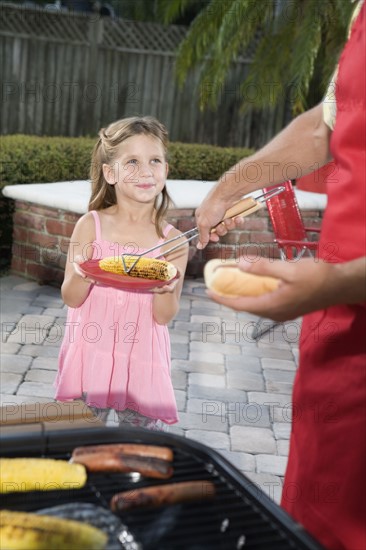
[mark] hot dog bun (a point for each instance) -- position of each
(226, 279)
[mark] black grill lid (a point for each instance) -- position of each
(240, 516)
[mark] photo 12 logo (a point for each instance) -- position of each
(68, 92)
(244, 332)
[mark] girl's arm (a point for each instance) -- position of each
(76, 287)
(166, 299)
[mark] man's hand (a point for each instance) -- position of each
(306, 285)
(210, 215)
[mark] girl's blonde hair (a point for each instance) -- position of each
(105, 152)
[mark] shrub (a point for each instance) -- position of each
(32, 159)
(202, 162)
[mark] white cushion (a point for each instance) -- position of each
(74, 195)
(66, 195)
(311, 201)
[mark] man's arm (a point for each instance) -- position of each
(299, 149)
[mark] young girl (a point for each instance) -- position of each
(116, 349)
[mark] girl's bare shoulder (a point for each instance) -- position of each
(85, 225)
(85, 220)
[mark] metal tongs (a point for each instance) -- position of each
(243, 208)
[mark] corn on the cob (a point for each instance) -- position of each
(25, 531)
(40, 474)
(146, 268)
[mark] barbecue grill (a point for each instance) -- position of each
(239, 517)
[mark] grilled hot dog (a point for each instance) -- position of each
(163, 453)
(163, 495)
(145, 459)
(106, 462)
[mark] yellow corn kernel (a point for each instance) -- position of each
(146, 268)
(25, 531)
(40, 474)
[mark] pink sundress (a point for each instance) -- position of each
(114, 354)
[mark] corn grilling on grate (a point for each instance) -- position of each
(25, 531)
(40, 474)
(145, 268)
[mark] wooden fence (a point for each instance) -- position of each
(65, 73)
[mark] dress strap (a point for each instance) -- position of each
(98, 231)
(166, 229)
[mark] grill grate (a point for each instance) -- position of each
(239, 517)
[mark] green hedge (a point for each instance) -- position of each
(32, 159)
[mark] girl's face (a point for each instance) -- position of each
(140, 169)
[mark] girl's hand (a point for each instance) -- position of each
(76, 265)
(169, 287)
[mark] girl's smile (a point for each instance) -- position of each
(145, 185)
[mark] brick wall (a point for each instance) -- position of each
(41, 236)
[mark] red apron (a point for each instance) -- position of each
(325, 482)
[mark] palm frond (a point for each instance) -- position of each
(295, 43)
(200, 39)
(305, 51)
(234, 36)
(237, 34)
(230, 29)
(231, 22)
(265, 84)
(170, 10)
(344, 10)
(335, 36)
